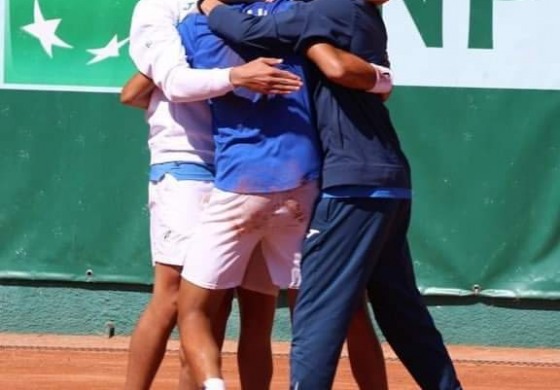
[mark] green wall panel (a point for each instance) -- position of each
(74, 188)
(486, 208)
(486, 174)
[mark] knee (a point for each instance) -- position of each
(255, 340)
(165, 303)
(255, 335)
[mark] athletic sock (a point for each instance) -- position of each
(214, 384)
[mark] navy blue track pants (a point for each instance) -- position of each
(356, 245)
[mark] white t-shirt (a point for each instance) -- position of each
(178, 115)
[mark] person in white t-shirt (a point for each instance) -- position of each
(181, 178)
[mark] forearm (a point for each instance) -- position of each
(184, 84)
(342, 67)
(349, 70)
(142, 102)
(178, 81)
(137, 91)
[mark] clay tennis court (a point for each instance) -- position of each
(29, 362)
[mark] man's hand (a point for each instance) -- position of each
(262, 76)
(206, 6)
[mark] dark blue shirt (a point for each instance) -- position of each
(359, 142)
(263, 143)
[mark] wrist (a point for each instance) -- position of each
(234, 77)
(384, 80)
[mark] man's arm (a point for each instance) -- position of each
(273, 32)
(156, 50)
(137, 91)
(290, 29)
(350, 71)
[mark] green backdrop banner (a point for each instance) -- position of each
(66, 45)
(476, 105)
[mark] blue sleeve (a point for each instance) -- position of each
(185, 27)
(205, 50)
(296, 28)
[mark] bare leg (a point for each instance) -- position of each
(149, 339)
(185, 375)
(219, 330)
(365, 353)
(198, 308)
(219, 323)
(254, 355)
(292, 298)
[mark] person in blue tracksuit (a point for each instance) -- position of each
(357, 238)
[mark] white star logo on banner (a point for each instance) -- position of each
(45, 30)
(112, 49)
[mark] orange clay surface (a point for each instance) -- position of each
(33, 362)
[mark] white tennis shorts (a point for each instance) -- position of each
(232, 226)
(175, 210)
